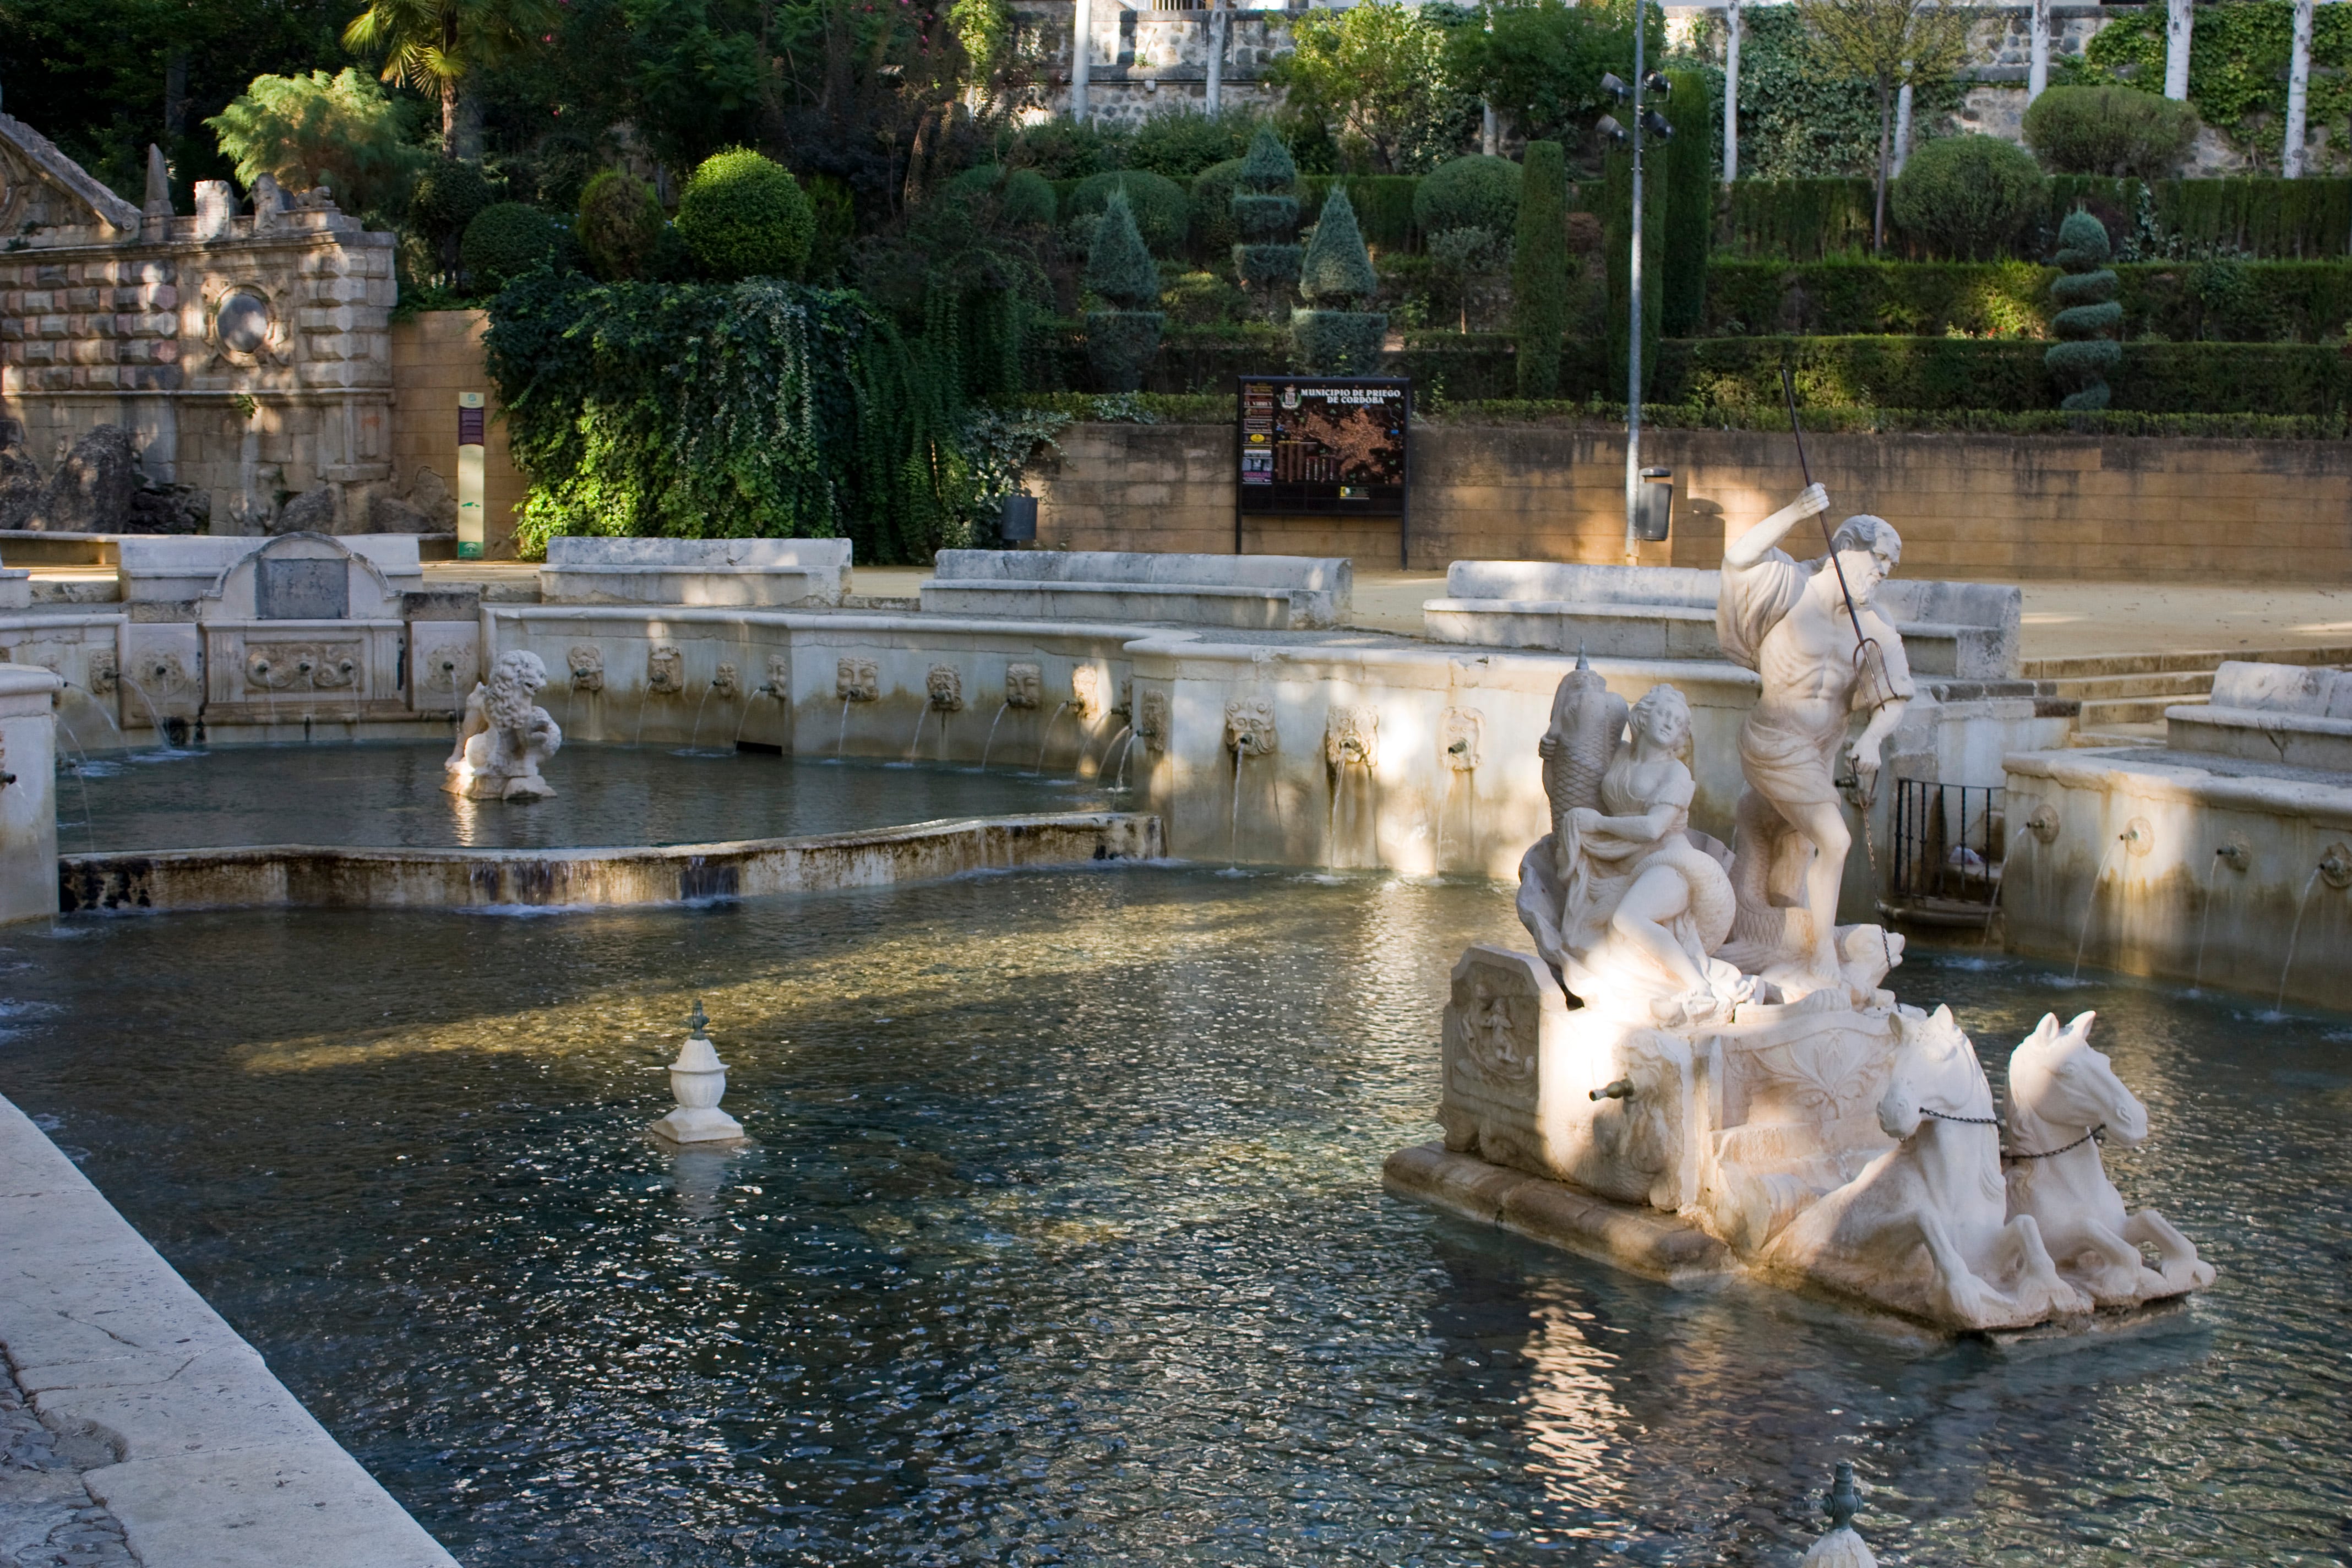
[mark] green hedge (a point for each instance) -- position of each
(1383, 204)
(2257, 302)
(1928, 373)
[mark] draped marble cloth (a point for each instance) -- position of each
(1608, 863)
(1784, 759)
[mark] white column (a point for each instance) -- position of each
(1901, 151)
(2178, 19)
(1490, 133)
(2299, 93)
(1082, 26)
(1216, 94)
(1730, 91)
(2037, 70)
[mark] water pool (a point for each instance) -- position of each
(1061, 1241)
(389, 794)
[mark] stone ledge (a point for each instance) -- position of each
(1640, 1240)
(215, 1463)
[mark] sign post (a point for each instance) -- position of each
(1322, 445)
(471, 535)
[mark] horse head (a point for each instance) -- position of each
(2055, 1076)
(1936, 1071)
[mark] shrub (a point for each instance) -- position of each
(1970, 196)
(2087, 318)
(744, 215)
(1265, 215)
(447, 195)
(1383, 204)
(1339, 337)
(1024, 196)
(1539, 268)
(1475, 192)
(2115, 131)
(619, 225)
(1120, 340)
(506, 240)
(1687, 165)
(1182, 144)
(1158, 204)
(1211, 229)
(341, 131)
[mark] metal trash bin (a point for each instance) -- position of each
(1654, 513)
(1018, 524)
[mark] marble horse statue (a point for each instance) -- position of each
(1924, 1228)
(2061, 1093)
(505, 736)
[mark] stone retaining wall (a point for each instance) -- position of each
(1981, 508)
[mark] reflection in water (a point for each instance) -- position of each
(1058, 1238)
(388, 794)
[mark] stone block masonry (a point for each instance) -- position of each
(436, 355)
(1979, 508)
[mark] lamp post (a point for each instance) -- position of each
(1652, 120)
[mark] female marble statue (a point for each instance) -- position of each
(1647, 899)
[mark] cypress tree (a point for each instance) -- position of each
(2086, 291)
(1689, 168)
(1539, 270)
(1337, 336)
(1120, 340)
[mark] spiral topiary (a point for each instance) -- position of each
(1121, 340)
(1265, 215)
(2087, 318)
(744, 215)
(1336, 271)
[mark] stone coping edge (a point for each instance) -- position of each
(2327, 795)
(301, 875)
(1639, 1241)
(216, 1464)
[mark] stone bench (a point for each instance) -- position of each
(731, 573)
(2300, 715)
(1961, 631)
(1250, 593)
(175, 568)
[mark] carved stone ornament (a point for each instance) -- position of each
(161, 672)
(505, 737)
(302, 667)
(1249, 727)
(1351, 736)
(1024, 685)
(1087, 693)
(944, 683)
(723, 679)
(587, 662)
(780, 677)
(1151, 721)
(1460, 734)
(857, 680)
(1493, 1023)
(100, 674)
(452, 667)
(665, 671)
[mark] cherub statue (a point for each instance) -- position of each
(1823, 657)
(505, 736)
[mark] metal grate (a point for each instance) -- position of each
(1949, 840)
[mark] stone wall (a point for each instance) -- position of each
(436, 355)
(1974, 508)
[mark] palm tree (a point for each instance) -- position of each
(435, 43)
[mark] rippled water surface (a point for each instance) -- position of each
(1061, 1241)
(389, 793)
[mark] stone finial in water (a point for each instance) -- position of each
(1842, 1548)
(699, 1081)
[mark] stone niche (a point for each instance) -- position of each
(244, 355)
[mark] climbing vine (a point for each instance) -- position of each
(2238, 57)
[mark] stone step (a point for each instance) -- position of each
(2108, 713)
(2100, 688)
(2207, 659)
(2114, 735)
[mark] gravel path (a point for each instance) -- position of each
(46, 1517)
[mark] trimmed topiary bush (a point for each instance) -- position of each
(1121, 340)
(2118, 131)
(447, 196)
(1265, 215)
(1337, 336)
(744, 215)
(506, 240)
(1212, 232)
(1476, 192)
(1969, 197)
(1158, 206)
(2087, 320)
(619, 225)
(1539, 268)
(1024, 196)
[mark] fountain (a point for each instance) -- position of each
(1249, 732)
(699, 1081)
(1698, 1072)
